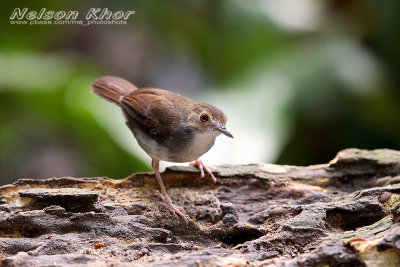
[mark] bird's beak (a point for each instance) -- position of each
(223, 130)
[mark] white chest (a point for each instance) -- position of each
(199, 145)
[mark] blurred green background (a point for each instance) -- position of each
(298, 79)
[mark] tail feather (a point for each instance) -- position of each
(112, 88)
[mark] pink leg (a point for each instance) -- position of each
(163, 199)
(199, 164)
(164, 196)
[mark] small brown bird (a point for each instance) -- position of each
(166, 125)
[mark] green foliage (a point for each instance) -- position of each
(51, 130)
(341, 78)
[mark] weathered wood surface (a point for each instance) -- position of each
(343, 213)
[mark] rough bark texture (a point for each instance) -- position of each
(343, 213)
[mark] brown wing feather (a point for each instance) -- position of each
(112, 88)
(152, 111)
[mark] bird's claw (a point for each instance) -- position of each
(172, 208)
(199, 164)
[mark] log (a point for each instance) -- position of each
(343, 213)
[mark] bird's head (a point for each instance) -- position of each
(209, 119)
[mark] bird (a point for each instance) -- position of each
(167, 126)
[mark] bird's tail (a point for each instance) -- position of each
(112, 88)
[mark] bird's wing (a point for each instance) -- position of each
(154, 113)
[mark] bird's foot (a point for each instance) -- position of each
(173, 208)
(199, 164)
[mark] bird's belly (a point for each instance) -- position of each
(154, 149)
(174, 151)
(199, 145)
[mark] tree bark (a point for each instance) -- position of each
(344, 213)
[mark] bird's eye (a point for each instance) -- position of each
(204, 117)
